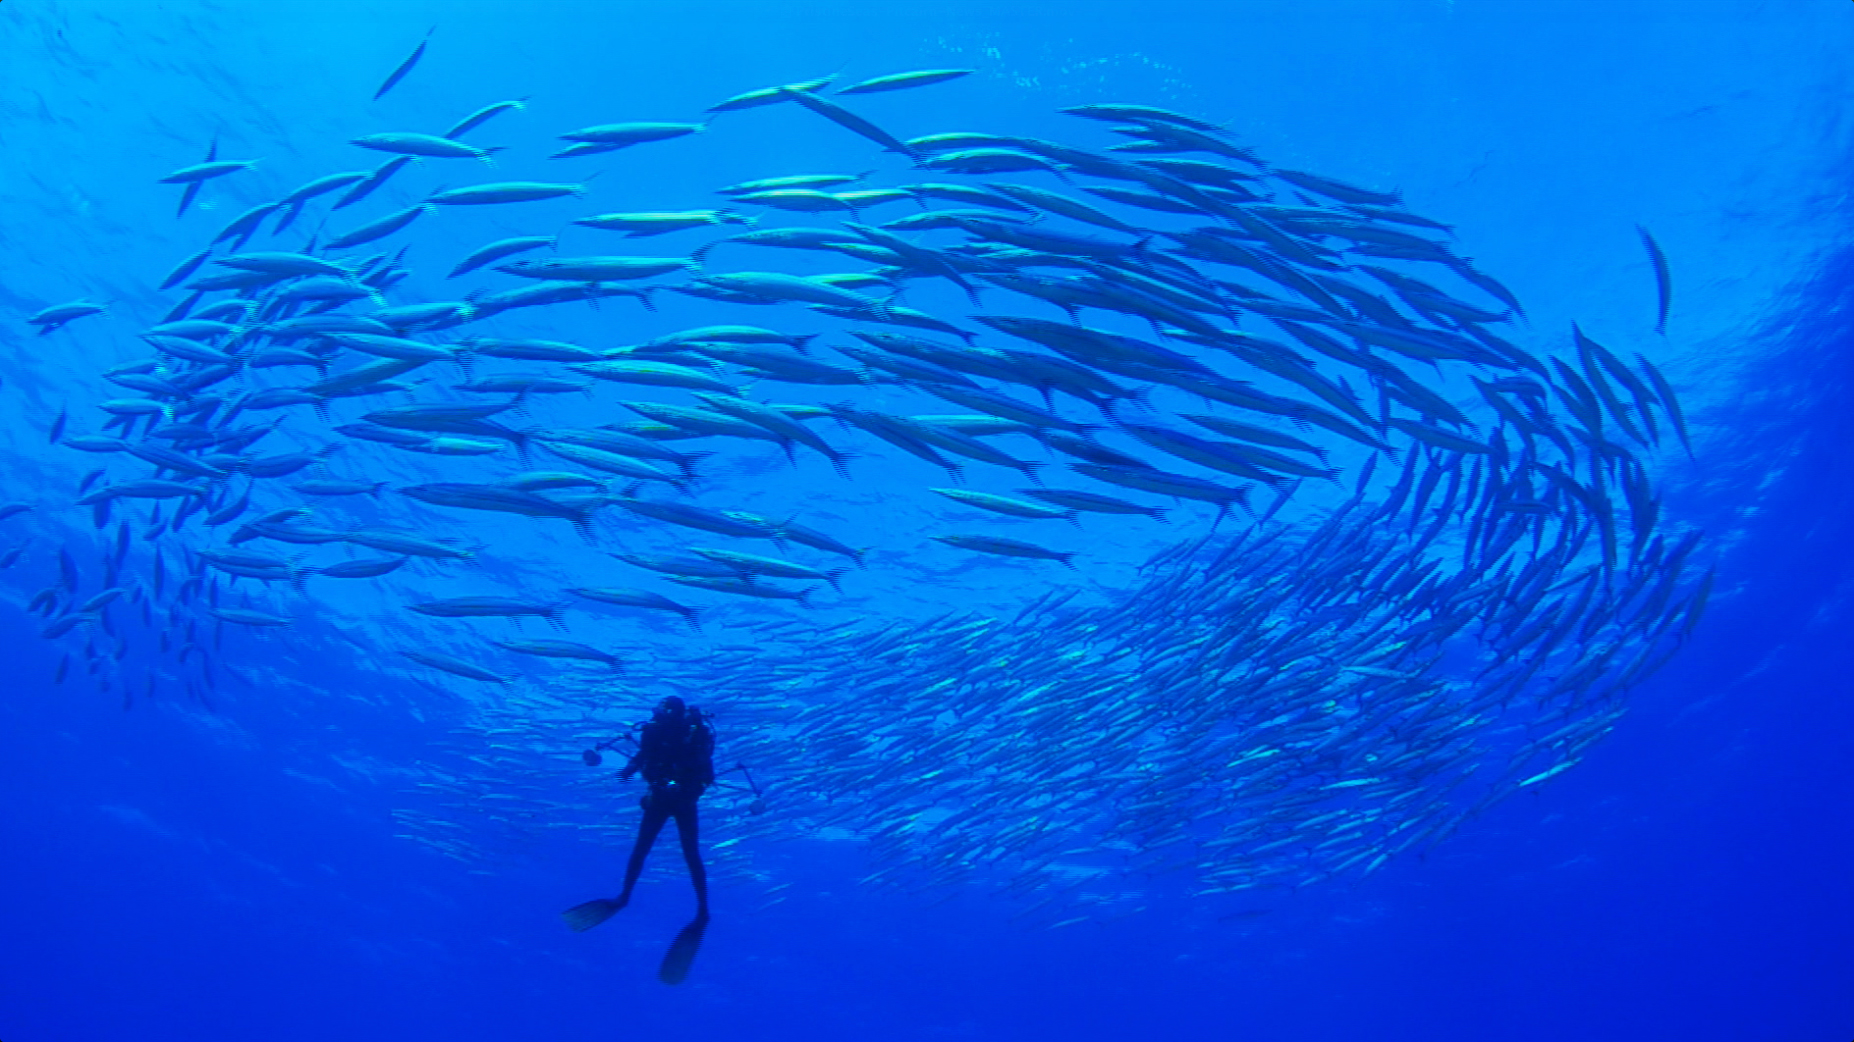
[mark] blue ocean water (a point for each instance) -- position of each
(265, 859)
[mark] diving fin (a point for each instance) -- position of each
(681, 954)
(581, 918)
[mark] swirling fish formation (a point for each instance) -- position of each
(1473, 571)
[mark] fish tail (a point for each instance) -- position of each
(686, 460)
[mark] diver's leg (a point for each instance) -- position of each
(686, 830)
(655, 814)
(585, 916)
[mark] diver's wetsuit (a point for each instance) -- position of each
(676, 756)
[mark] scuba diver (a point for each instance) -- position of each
(675, 753)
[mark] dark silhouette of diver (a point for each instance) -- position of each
(675, 754)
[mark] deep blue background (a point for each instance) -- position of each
(172, 875)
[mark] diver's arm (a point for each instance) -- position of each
(646, 750)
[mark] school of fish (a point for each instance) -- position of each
(1418, 565)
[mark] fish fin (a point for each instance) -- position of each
(186, 197)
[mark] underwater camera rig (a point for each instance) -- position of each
(593, 757)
